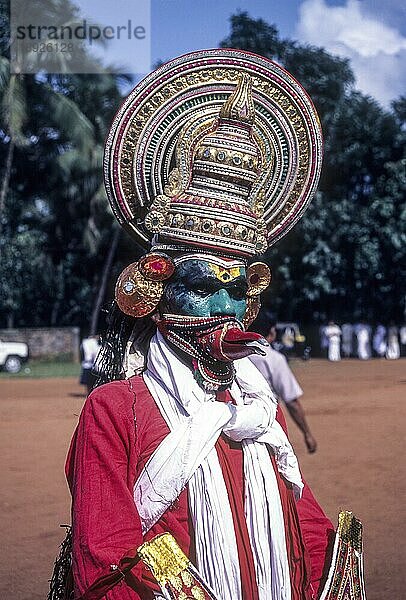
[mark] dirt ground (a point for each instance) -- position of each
(356, 411)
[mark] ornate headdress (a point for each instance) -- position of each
(216, 151)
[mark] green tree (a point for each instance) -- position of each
(14, 87)
(338, 262)
(327, 78)
(80, 223)
(54, 201)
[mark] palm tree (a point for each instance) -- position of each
(99, 96)
(14, 116)
(39, 118)
(52, 131)
(64, 113)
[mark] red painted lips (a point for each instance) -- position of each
(228, 342)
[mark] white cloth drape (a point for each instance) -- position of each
(188, 456)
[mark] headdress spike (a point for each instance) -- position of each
(240, 105)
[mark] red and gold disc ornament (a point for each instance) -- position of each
(140, 286)
(156, 266)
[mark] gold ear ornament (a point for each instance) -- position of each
(140, 286)
(258, 277)
(252, 310)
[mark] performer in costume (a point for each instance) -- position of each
(212, 157)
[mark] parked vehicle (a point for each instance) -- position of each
(13, 355)
(290, 341)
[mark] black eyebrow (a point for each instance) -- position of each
(210, 280)
(240, 280)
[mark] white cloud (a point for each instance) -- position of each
(377, 51)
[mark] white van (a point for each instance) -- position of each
(13, 355)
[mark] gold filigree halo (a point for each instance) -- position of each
(218, 150)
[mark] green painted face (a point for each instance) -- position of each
(200, 288)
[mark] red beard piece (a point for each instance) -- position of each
(230, 343)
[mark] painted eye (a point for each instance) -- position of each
(238, 293)
(201, 291)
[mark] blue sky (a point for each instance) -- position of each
(174, 32)
(371, 34)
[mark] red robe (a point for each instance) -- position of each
(118, 430)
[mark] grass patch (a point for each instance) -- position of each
(37, 369)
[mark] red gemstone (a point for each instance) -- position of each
(157, 266)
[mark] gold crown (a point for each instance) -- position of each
(218, 150)
(219, 207)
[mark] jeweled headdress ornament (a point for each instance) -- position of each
(216, 151)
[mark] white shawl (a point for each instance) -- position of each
(188, 456)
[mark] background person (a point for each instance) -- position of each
(288, 340)
(402, 335)
(274, 367)
(323, 340)
(89, 350)
(393, 349)
(379, 344)
(333, 334)
(347, 331)
(363, 334)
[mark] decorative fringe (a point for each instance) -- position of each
(346, 576)
(175, 574)
(121, 329)
(61, 583)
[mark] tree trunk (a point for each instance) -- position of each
(104, 279)
(59, 283)
(6, 181)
